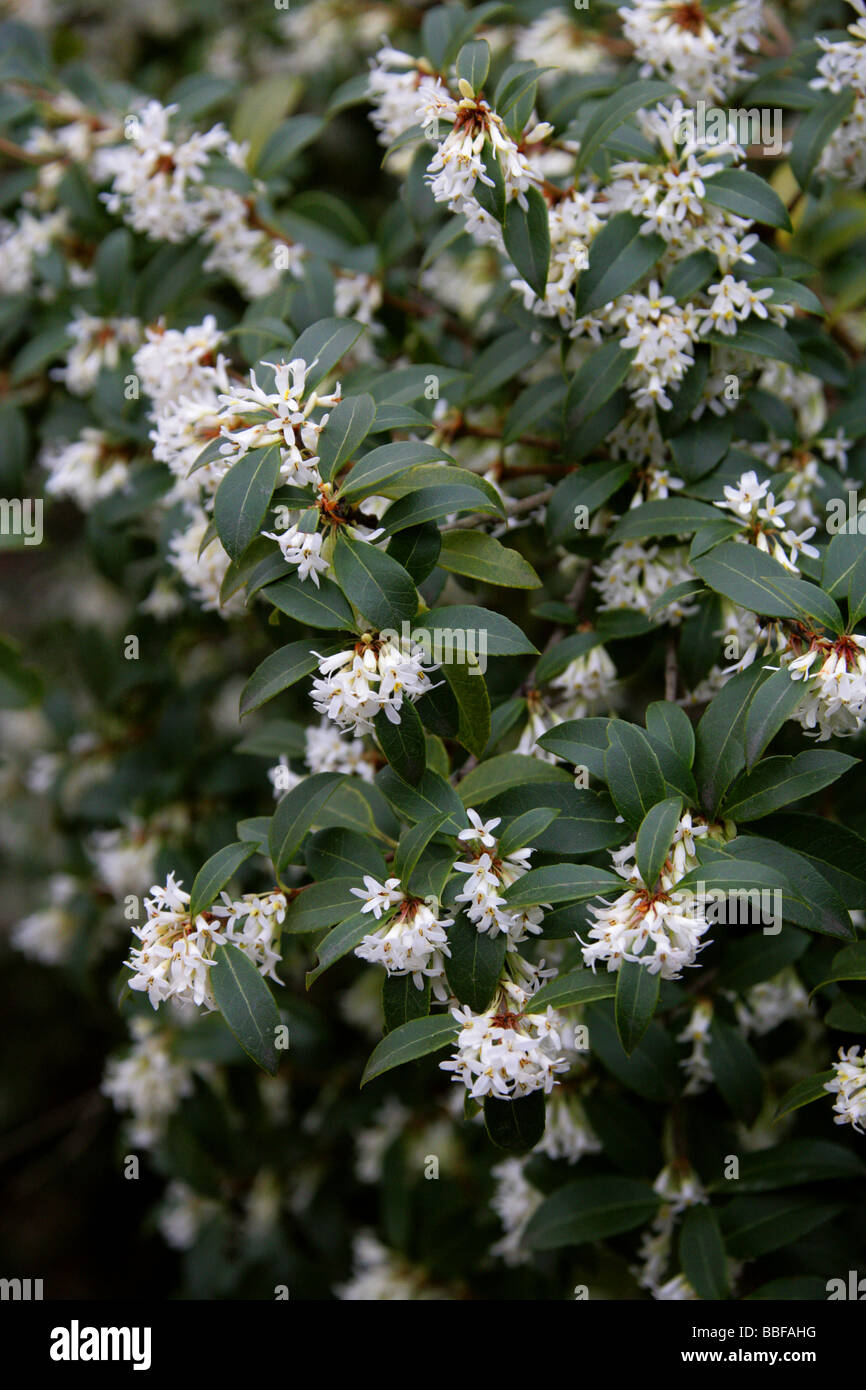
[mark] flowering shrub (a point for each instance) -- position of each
(436, 667)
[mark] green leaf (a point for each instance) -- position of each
(618, 258)
(561, 883)
(804, 1092)
(431, 794)
(318, 605)
(702, 1253)
(403, 743)
(793, 1162)
(296, 814)
(652, 1071)
(736, 1070)
(504, 771)
(637, 994)
(402, 1001)
(344, 938)
(617, 108)
(323, 344)
(286, 141)
(515, 1125)
(526, 233)
(473, 63)
(213, 876)
(671, 725)
(720, 754)
(525, 828)
(278, 671)
(369, 474)
(655, 836)
(475, 964)
(761, 339)
(844, 574)
(632, 771)
(576, 987)
(412, 1040)
(754, 959)
(379, 587)
(690, 275)
(776, 782)
(596, 380)
(322, 905)
(667, 516)
(469, 688)
(247, 1005)
(347, 426)
(772, 705)
(755, 1226)
(450, 495)
(338, 852)
(814, 131)
(243, 498)
(587, 487)
(460, 627)
(810, 899)
(508, 355)
(747, 195)
(479, 556)
(754, 580)
(590, 1210)
(412, 845)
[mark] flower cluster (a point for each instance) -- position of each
(488, 874)
(654, 925)
(849, 1088)
(176, 954)
(508, 1051)
(376, 674)
(412, 939)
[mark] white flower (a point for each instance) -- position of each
(253, 418)
(697, 1032)
(123, 859)
(507, 1051)
(587, 681)
(412, 941)
(173, 363)
(148, 1081)
(182, 1214)
(96, 346)
(176, 954)
(202, 570)
(376, 674)
(48, 936)
(87, 470)
(488, 875)
(381, 1276)
(303, 549)
(849, 1087)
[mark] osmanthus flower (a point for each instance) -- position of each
(49, 934)
(635, 574)
(663, 334)
(849, 1087)
(458, 163)
(772, 1002)
(833, 671)
(765, 521)
(377, 673)
(176, 953)
(515, 1201)
(587, 682)
(123, 859)
(733, 301)
(303, 549)
(325, 751)
(842, 66)
(23, 243)
(174, 363)
(508, 1051)
(86, 470)
(202, 569)
(657, 926)
(253, 418)
(411, 941)
(680, 1188)
(381, 1275)
(699, 1073)
(489, 873)
(183, 1213)
(97, 345)
(150, 1082)
(700, 49)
